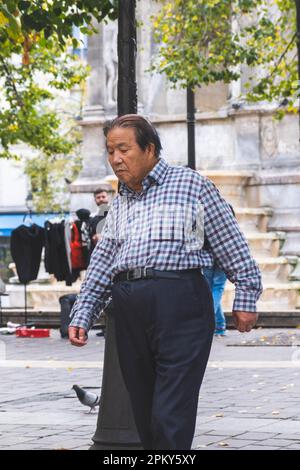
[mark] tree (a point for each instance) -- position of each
(35, 66)
(206, 41)
(53, 18)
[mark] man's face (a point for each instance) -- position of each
(129, 162)
(101, 198)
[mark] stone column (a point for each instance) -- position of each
(95, 167)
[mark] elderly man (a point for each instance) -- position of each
(150, 259)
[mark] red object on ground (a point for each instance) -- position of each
(30, 333)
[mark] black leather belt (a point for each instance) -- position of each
(150, 273)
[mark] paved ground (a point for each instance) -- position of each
(249, 399)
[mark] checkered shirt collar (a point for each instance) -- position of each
(157, 175)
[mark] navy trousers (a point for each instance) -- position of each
(164, 331)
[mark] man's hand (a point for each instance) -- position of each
(244, 321)
(77, 336)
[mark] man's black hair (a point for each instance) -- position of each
(145, 132)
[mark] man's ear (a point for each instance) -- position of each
(151, 149)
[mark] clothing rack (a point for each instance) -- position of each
(25, 285)
(25, 304)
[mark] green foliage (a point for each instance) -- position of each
(54, 18)
(48, 175)
(25, 87)
(35, 67)
(206, 41)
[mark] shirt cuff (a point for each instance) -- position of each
(81, 323)
(245, 301)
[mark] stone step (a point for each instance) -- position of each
(40, 296)
(284, 318)
(275, 296)
(49, 318)
(231, 184)
(266, 244)
(276, 269)
(272, 319)
(253, 219)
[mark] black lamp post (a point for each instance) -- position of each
(190, 115)
(115, 426)
(127, 88)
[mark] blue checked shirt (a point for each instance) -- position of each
(162, 227)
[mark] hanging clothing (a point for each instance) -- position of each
(78, 255)
(56, 258)
(83, 224)
(26, 246)
(68, 238)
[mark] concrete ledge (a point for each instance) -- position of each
(290, 178)
(51, 319)
(43, 318)
(280, 319)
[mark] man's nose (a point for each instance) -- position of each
(116, 157)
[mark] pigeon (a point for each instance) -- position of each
(86, 398)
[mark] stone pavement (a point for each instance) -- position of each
(249, 399)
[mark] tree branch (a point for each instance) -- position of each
(12, 81)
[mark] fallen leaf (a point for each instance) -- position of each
(223, 444)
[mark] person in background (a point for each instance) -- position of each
(102, 201)
(216, 279)
(101, 197)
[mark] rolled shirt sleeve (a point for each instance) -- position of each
(230, 249)
(96, 286)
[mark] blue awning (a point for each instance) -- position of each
(8, 222)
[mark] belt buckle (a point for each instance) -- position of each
(137, 273)
(133, 274)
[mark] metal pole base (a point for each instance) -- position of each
(116, 428)
(97, 446)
